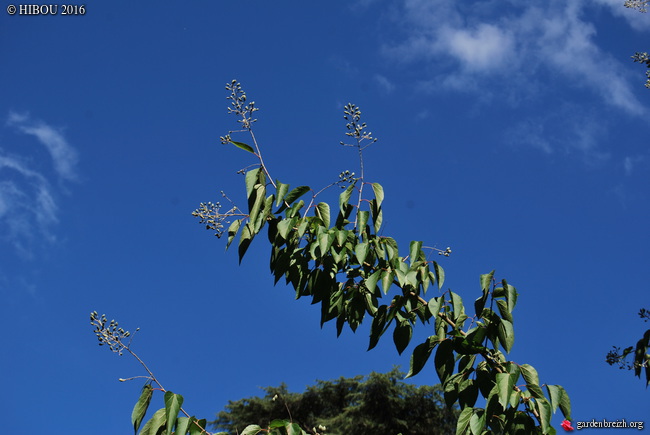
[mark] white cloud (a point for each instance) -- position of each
(28, 200)
(482, 49)
(64, 157)
(470, 43)
(385, 84)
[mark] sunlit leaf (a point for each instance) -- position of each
(486, 280)
(141, 406)
(506, 334)
(243, 146)
(323, 212)
(252, 430)
(155, 423)
(173, 403)
(530, 374)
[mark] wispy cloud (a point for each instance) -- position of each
(386, 85)
(473, 43)
(64, 157)
(28, 198)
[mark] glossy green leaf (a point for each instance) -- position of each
(506, 334)
(511, 295)
(457, 305)
(440, 274)
(402, 336)
(141, 406)
(323, 212)
(244, 241)
(435, 304)
(486, 280)
(255, 203)
(477, 422)
(371, 281)
(462, 426)
(198, 426)
(173, 403)
(252, 430)
(414, 251)
(232, 231)
(155, 423)
(294, 429)
(182, 425)
(252, 178)
(444, 360)
(378, 326)
(281, 190)
(344, 198)
(379, 192)
(362, 220)
(361, 251)
(503, 310)
(421, 355)
(530, 374)
(565, 403)
(377, 215)
(243, 146)
(292, 196)
(554, 395)
(387, 278)
(504, 386)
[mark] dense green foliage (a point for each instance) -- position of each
(376, 404)
(340, 259)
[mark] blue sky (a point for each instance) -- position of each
(515, 133)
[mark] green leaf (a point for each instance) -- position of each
(198, 426)
(141, 406)
(252, 430)
(255, 204)
(486, 280)
(371, 281)
(232, 230)
(477, 422)
(155, 423)
(565, 403)
(362, 220)
(444, 360)
(554, 395)
(414, 251)
(182, 425)
(361, 251)
(511, 295)
(293, 195)
(378, 326)
(402, 336)
(323, 212)
(379, 192)
(440, 273)
(530, 374)
(243, 146)
(377, 215)
(504, 387)
(245, 240)
(462, 427)
(420, 355)
(294, 429)
(506, 334)
(173, 403)
(344, 198)
(281, 190)
(252, 178)
(435, 304)
(278, 423)
(387, 280)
